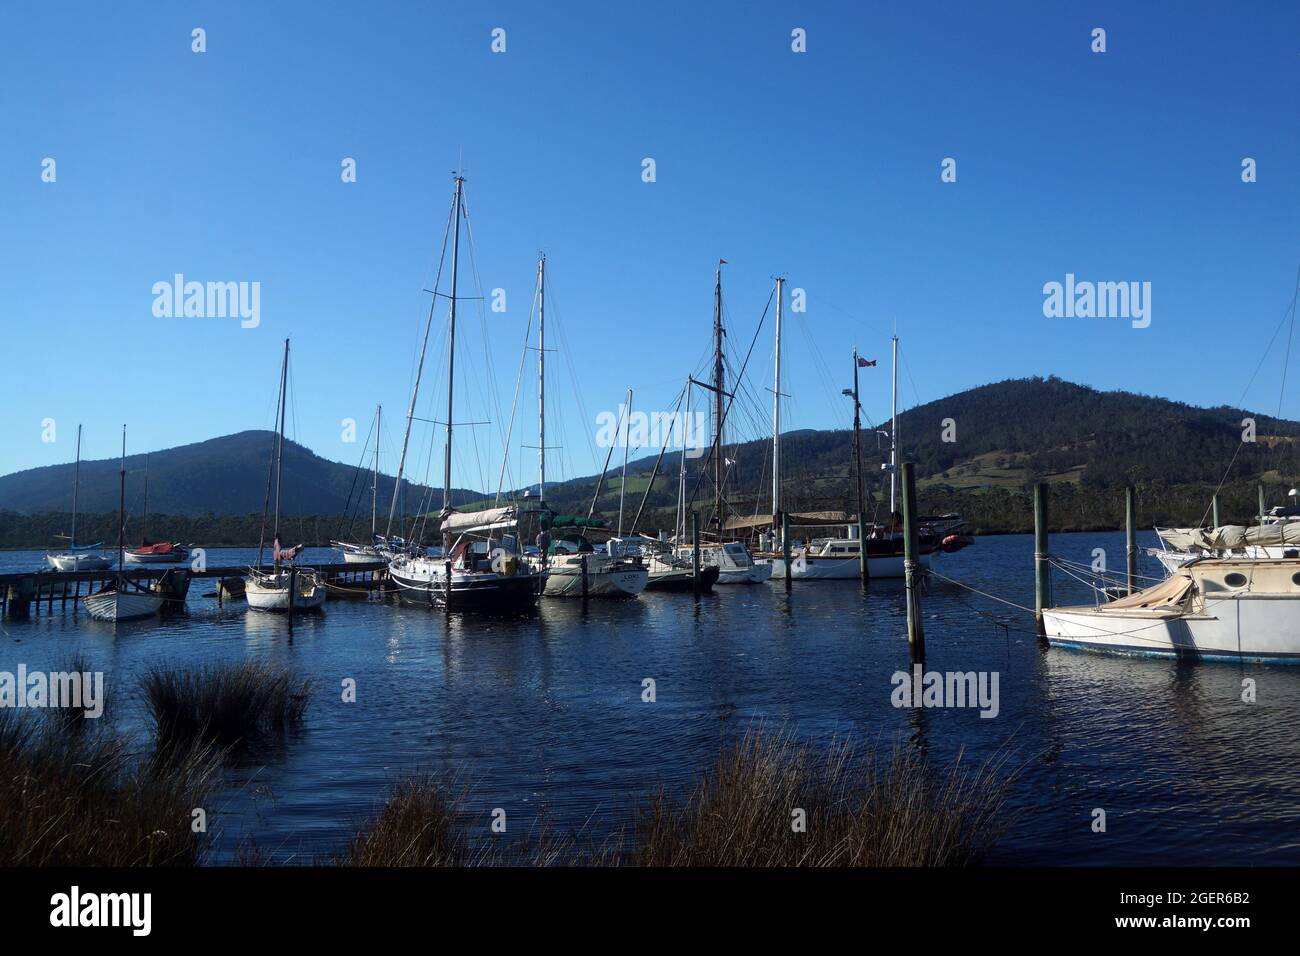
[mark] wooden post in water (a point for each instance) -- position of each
(293, 589)
(912, 570)
(1214, 507)
(583, 562)
(1261, 505)
(18, 600)
(785, 546)
(862, 547)
(1042, 570)
(1130, 535)
(446, 598)
(695, 552)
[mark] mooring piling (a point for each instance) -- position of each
(785, 546)
(911, 567)
(862, 548)
(1130, 534)
(695, 553)
(1214, 507)
(1042, 569)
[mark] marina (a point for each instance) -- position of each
(544, 714)
(450, 445)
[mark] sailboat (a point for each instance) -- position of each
(122, 600)
(484, 567)
(377, 550)
(77, 557)
(286, 587)
(839, 557)
(160, 552)
(574, 567)
(1236, 609)
(735, 563)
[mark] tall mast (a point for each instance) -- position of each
(415, 390)
(622, 485)
(717, 400)
(279, 450)
(451, 348)
(776, 414)
(893, 438)
(374, 483)
(76, 483)
(680, 530)
(121, 509)
(541, 380)
(857, 435)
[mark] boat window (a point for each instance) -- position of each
(1235, 580)
(1295, 578)
(735, 549)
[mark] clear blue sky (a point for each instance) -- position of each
(824, 166)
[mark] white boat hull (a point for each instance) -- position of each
(125, 605)
(816, 568)
(272, 594)
(754, 574)
(619, 582)
(362, 557)
(1252, 628)
(77, 562)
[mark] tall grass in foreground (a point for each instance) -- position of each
(227, 704)
(770, 801)
(80, 799)
(767, 801)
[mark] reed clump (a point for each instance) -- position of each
(771, 801)
(415, 827)
(81, 799)
(227, 704)
(767, 801)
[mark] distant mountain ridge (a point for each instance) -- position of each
(977, 451)
(220, 476)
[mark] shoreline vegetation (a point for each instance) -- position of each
(988, 511)
(75, 792)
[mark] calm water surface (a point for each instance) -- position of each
(546, 711)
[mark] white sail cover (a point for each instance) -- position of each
(1231, 537)
(463, 521)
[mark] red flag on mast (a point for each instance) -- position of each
(863, 363)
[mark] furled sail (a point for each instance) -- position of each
(462, 521)
(1231, 537)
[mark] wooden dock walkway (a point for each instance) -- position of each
(20, 591)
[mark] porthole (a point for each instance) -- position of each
(1295, 578)
(1236, 579)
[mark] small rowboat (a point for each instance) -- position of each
(122, 601)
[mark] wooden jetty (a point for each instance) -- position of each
(44, 589)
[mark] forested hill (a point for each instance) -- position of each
(222, 476)
(978, 452)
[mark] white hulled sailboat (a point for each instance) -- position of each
(285, 587)
(122, 600)
(77, 557)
